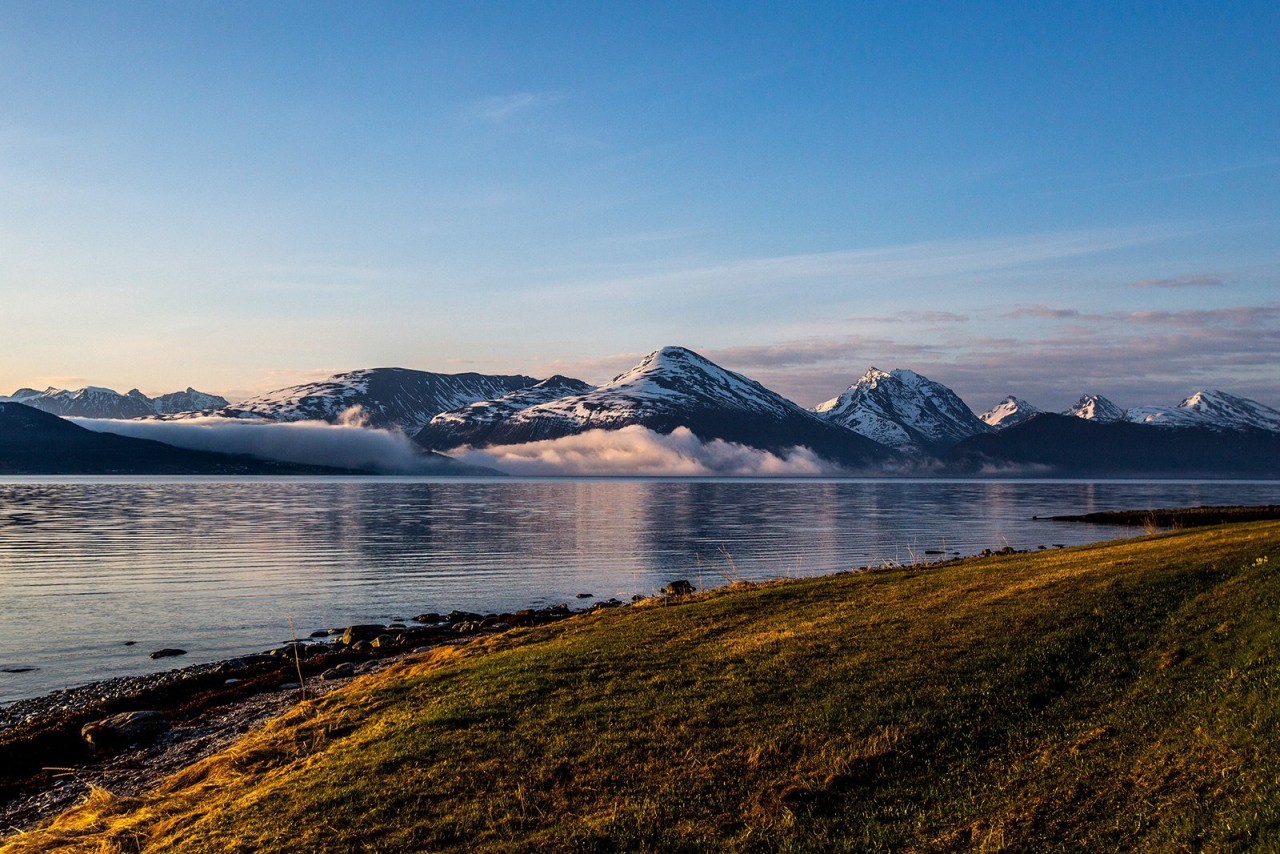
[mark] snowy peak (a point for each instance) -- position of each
(1095, 407)
(676, 376)
(1230, 411)
(904, 410)
(1008, 412)
(396, 398)
(1211, 408)
(187, 401)
(98, 402)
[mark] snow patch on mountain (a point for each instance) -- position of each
(904, 410)
(1095, 407)
(1008, 412)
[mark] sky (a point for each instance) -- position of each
(1035, 199)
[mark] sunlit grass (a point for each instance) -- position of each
(1110, 697)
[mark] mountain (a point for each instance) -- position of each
(36, 442)
(388, 397)
(1095, 407)
(473, 424)
(96, 402)
(903, 410)
(1211, 408)
(1008, 412)
(185, 401)
(1054, 445)
(670, 388)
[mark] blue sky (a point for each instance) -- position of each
(1040, 199)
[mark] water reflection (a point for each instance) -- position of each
(219, 567)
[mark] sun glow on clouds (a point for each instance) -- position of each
(636, 450)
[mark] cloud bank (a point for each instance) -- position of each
(345, 445)
(636, 450)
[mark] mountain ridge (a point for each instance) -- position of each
(669, 388)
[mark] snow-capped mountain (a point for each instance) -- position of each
(1095, 407)
(903, 410)
(96, 402)
(1053, 445)
(1210, 408)
(1008, 412)
(670, 388)
(185, 401)
(388, 397)
(472, 424)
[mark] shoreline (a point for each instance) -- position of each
(46, 764)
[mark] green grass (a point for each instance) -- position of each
(1118, 696)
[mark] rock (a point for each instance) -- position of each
(638, 598)
(385, 641)
(129, 643)
(289, 686)
(585, 595)
(428, 618)
(368, 667)
(126, 729)
(364, 632)
(343, 671)
(362, 646)
(678, 588)
(18, 668)
(320, 633)
(397, 626)
(168, 652)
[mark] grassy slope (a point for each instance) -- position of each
(1124, 695)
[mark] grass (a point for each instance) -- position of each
(1119, 696)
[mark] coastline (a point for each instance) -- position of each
(46, 765)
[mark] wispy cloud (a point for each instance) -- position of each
(502, 109)
(1137, 357)
(1197, 280)
(1043, 311)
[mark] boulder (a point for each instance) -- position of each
(678, 588)
(343, 671)
(127, 729)
(168, 652)
(365, 632)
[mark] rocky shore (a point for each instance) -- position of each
(124, 734)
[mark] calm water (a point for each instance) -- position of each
(218, 567)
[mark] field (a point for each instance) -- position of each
(1118, 696)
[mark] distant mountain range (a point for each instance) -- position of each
(897, 422)
(95, 402)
